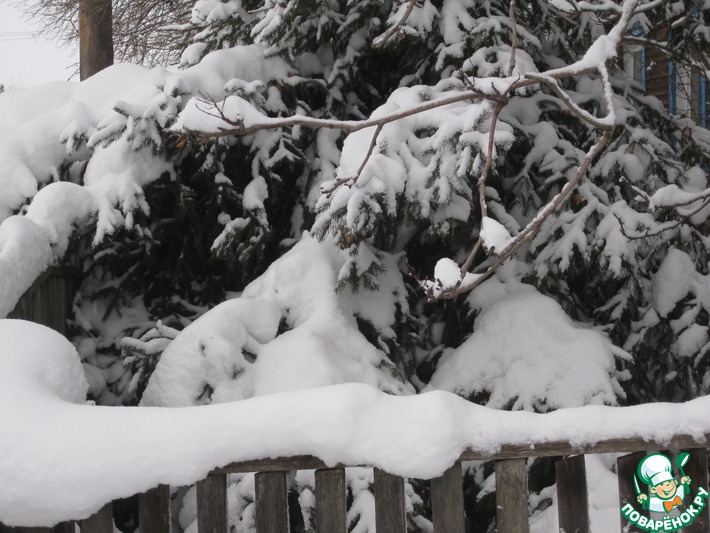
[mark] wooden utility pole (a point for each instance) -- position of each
(95, 36)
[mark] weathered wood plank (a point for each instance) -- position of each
(271, 502)
(626, 470)
(154, 510)
(279, 464)
(389, 503)
(212, 504)
(447, 501)
(507, 451)
(697, 470)
(512, 496)
(331, 512)
(48, 301)
(64, 527)
(572, 498)
(100, 522)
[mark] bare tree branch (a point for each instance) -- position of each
(534, 226)
(350, 181)
(382, 39)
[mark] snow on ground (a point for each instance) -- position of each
(57, 454)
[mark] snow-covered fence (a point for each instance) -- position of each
(447, 499)
(61, 459)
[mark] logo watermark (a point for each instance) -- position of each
(666, 497)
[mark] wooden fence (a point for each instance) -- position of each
(447, 502)
(48, 301)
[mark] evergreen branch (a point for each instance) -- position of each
(668, 226)
(348, 126)
(689, 14)
(535, 224)
(382, 39)
(705, 195)
(567, 100)
(608, 7)
(353, 179)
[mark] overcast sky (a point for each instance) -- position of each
(26, 60)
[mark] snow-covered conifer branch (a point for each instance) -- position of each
(382, 39)
(440, 291)
(603, 50)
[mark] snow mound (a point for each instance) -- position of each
(526, 353)
(233, 350)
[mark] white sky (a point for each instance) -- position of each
(26, 60)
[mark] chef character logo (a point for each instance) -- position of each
(665, 492)
(665, 496)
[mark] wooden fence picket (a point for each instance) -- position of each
(447, 501)
(330, 500)
(271, 502)
(697, 470)
(572, 498)
(512, 496)
(100, 522)
(212, 504)
(154, 510)
(389, 503)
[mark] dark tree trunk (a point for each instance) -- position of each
(95, 36)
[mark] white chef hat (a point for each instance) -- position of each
(655, 469)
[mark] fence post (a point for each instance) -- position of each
(572, 499)
(331, 513)
(512, 496)
(212, 504)
(626, 470)
(697, 469)
(154, 510)
(271, 502)
(447, 501)
(48, 301)
(100, 522)
(389, 503)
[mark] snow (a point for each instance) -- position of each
(42, 387)
(62, 123)
(526, 353)
(447, 276)
(322, 345)
(673, 281)
(495, 237)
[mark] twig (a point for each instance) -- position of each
(567, 100)
(350, 181)
(382, 39)
(513, 38)
(534, 226)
